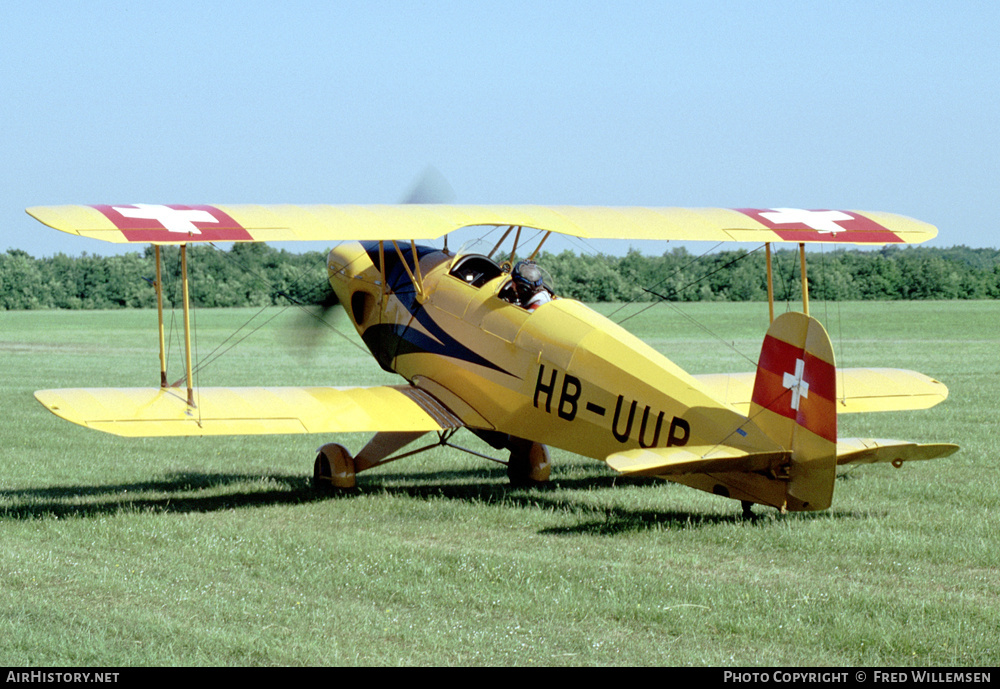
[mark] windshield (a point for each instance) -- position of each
(475, 269)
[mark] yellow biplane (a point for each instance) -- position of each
(458, 327)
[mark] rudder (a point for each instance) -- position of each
(794, 403)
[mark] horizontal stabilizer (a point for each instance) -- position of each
(672, 461)
(147, 412)
(858, 390)
(870, 451)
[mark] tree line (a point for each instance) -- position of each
(259, 275)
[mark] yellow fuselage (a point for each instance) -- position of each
(562, 375)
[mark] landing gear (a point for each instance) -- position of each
(333, 469)
(747, 509)
(529, 463)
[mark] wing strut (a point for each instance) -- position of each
(539, 247)
(418, 280)
(187, 326)
(805, 283)
(159, 316)
(770, 280)
(770, 283)
(187, 322)
(504, 237)
(517, 238)
(384, 288)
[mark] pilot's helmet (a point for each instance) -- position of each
(528, 273)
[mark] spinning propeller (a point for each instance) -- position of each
(315, 320)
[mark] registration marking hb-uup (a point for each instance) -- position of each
(622, 424)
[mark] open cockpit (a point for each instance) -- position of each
(475, 269)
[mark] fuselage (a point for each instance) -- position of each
(562, 375)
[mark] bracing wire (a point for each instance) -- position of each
(222, 348)
(666, 299)
(690, 284)
(687, 265)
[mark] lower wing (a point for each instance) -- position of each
(145, 412)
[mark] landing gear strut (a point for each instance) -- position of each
(335, 468)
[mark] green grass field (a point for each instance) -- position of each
(215, 551)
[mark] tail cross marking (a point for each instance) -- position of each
(795, 383)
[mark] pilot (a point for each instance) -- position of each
(529, 285)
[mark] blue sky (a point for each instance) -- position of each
(890, 106)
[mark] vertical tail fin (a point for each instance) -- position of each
(794, 403)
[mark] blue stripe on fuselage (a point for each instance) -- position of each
(410, 340)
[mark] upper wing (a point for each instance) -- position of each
(143, 412)
(176, 224)
(858, 390)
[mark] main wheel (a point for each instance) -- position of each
(334, 468)
(529, 463)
